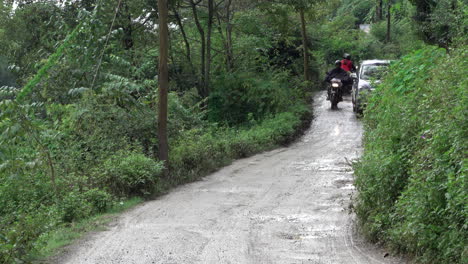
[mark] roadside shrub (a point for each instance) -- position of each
(100, 200)
(198, 152)
(18, 240)
(74, 207)
(129, 173)
(412, 177)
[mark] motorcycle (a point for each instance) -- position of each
(334, 92)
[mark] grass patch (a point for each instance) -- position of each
(66, 234)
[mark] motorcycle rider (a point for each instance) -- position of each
(338, 73)
(347, 64)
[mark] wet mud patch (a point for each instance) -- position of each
(345, 184)
(288, 236)
(323, 165)
(308, 233)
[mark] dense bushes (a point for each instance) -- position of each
(199, 152)
(129, 174)
(239, 97)
(412, 178)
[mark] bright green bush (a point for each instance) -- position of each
(18, 240)
(76, 205)
(100, 200)
(412, 177)
(127, 174)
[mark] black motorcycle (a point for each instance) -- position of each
(334, 92)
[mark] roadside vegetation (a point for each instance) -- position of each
(412, 177)
(79, 96)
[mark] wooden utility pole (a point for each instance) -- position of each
(304, 45)
(163, 80)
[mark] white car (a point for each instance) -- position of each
(369, 74)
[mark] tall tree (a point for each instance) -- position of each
(206, 85)
(389, 20)
(188, 51)
(301, 6)
(201, 31)
(304, 45)
(379, 10)
(229, 48)
(163, 81)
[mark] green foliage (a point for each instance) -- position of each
(129, 174)
(239, 96)
(362, 10)
(442, 22)
(404, 38)
(412, 177)
(52, 60)
(6, 77)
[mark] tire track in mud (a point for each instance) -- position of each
(286, 206)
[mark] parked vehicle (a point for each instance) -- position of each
(369, 75)
(334, 92)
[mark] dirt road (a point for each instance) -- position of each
(290, 205)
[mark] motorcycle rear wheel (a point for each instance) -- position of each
(334, 101)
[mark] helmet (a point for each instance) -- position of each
(347, 56)
(337, 63)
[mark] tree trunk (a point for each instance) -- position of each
(389, 7)
(304, 45)
(201, 84)
(227, 41)
(379, 11)
(127, 28)
(206, 86)
(188, 52)
(163, 82)
(229, 47)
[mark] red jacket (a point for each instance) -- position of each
(348, 65)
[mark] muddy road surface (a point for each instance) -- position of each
(290, 205)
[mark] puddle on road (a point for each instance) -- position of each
(232, 190)
(322, 165)
(310, 233)
(344, 184)
(348, 187)
(293, 218)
